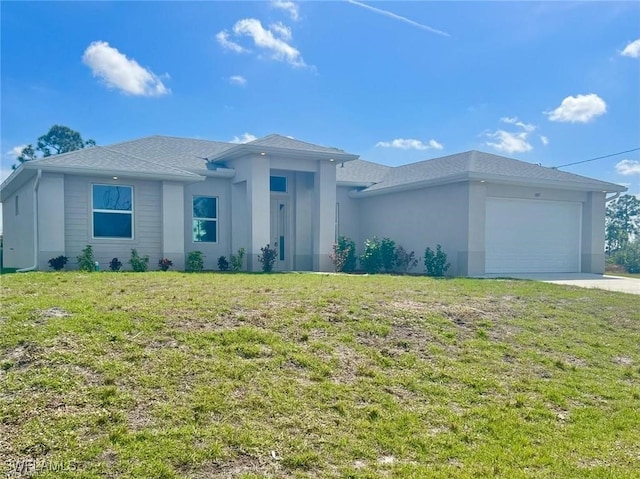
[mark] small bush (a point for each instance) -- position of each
(404, 261)
(371, 258)
(268, 257)
(223, 264)
(86, 261)
(115, 264)
(195, 261)
(435, 263)
(387, 254)
(58, 263)
(165, 264)
(237, 260)
(344, 255)
(629, 257)
(138, 263)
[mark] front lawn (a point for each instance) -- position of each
(165, 375)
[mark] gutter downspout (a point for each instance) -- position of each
(36, 185)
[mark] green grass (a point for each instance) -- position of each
(164, 375)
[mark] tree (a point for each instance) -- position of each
(622, 222)
(59, 139)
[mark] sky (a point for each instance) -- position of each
(395, 82)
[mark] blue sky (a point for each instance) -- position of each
(395, 82)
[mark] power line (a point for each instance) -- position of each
(594, 159)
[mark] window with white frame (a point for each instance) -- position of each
(112, 207)
(205, 219)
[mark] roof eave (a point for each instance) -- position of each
(492, 178)
(602, 186)
(244, 149)
(87, 171)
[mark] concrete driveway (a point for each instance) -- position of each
(583, 280)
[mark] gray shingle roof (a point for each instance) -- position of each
(105, 158)
(477, 163)
(362, 172)
(184, 153)
(278, 141)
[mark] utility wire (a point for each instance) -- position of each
(594, 159)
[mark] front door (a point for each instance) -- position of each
(280, 233)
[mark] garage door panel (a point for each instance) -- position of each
(528, 236)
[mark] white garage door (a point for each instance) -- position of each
(526, 236)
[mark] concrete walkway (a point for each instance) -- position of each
(583, 280)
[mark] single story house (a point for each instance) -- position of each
(169, 196)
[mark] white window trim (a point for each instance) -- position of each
(194, 218)
(96, 210)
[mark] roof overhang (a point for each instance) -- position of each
(603, 187)
(246, 149)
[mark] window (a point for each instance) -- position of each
(278, 184)
(205, 219)
(17, 206)
(112, 211)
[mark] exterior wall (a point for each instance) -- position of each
(18, 248)
(348, 223)
(147, 222)
(593, 233)
(324, 215)
(419, 218)
(50, 219)
(173, 238)
(220, 188)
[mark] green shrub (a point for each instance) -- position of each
(371, 258)
(223, 264)
(435, 263)
(387, 254)
(344, 255)
(268, 257)
(58, 263)
(86, 261)
(115, 264)
(404, 261)
(165, 264)
(138, 263)
(629, 256)
(237, 260)
(195, 261)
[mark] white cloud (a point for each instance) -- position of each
(120, 72)
(514, 121)
(400, 18)
(237, 80)
(223, 39)
(632, 49)
(16, 151)
(628, 167)
(509, 142)
(579, 109)
(544, 140)
(410, 144)
(273, 41)
(283, 31)
(270, 41)
(244, 138)
(290, 7)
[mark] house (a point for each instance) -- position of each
(169, 196)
